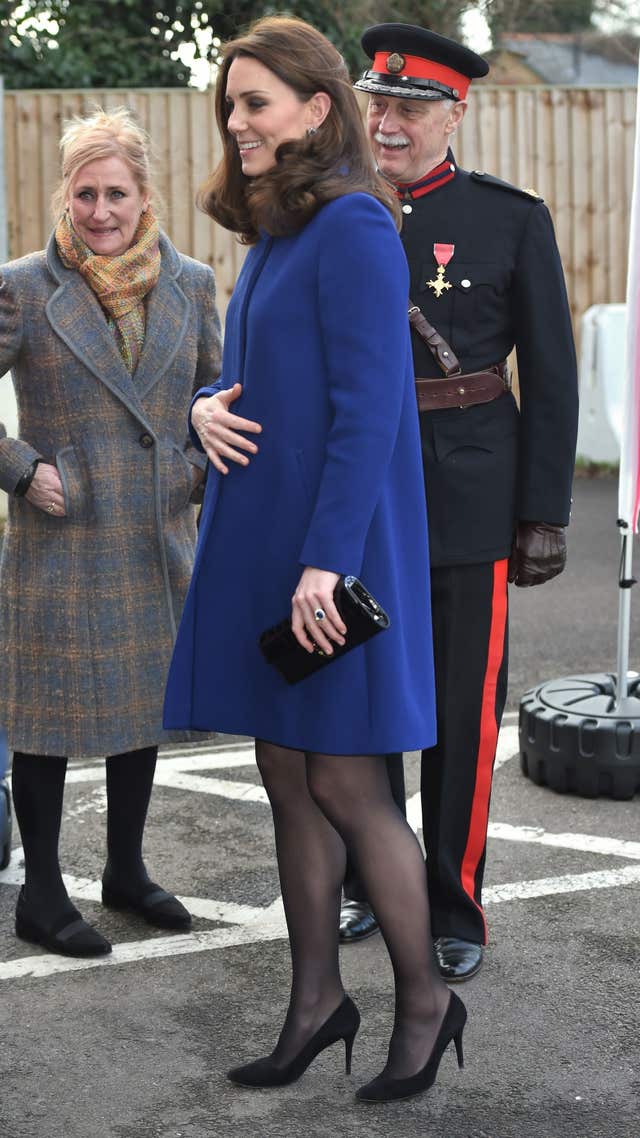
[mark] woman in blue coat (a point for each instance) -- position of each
(315, 471)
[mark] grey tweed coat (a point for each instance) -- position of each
(89, 603)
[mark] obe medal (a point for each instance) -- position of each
(443, 254)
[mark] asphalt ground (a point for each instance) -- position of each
(136, 1046)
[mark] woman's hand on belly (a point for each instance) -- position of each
(45, 491)
(315, 620)
(219, 429)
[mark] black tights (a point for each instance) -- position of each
(38, 790)
(322, 806)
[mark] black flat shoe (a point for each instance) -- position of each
(69, 935)
(357, 922)
(457, 959)
(343, 1024)
(384, 1088)
(158, 907)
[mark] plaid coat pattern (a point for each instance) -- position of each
(89, 603)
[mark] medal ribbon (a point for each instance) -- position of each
(443, 254)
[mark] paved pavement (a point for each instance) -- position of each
(136, 1046)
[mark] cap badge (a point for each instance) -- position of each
(395, 63)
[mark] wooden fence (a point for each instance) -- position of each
(573, 146)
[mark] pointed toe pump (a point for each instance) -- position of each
(343, 1024)
(384, 1088)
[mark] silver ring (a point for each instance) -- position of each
(51, 507)
(319, 615)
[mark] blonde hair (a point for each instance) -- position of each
(102, 134)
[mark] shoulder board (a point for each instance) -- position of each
(489, 180)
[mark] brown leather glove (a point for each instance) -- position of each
(539, 552)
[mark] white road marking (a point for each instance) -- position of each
(218, 760)
(586, 843)
(86, 889)
(269, 925)
(242, 791)
(571, 883)
(508, 745)
(253, 924)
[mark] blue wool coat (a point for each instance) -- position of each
(317, 334)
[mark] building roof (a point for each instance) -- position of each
(579, 59)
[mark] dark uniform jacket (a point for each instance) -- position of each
(488, 466)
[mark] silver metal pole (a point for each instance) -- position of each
(624, 615)
(4, 235)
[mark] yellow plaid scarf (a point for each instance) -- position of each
(120, 283)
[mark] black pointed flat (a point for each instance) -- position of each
(155, 905)
(69, 935)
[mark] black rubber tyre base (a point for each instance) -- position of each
(573, 741)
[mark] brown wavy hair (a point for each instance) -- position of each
(308, 172)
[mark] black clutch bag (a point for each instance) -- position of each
(361, 613)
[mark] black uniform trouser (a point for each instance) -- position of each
(469, 614)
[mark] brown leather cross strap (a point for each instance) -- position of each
(456, 389)
(443, 354)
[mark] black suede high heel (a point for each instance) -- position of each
(343, 1024)
(384, 1088)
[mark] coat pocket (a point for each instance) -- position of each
(76, 487)
(176, 479)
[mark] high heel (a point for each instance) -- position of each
(384, 1088)
(343, 1024)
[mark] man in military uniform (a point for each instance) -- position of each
(485, 277)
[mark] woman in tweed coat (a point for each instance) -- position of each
(107, 332)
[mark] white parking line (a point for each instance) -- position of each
(269, 925)
(254, 924)
(572, 883)
(508, 745)
(586, 843)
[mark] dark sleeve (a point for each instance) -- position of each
(209, 359)
(547, 373)
(16, 455)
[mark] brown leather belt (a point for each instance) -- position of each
(455, 389)
(463, 390)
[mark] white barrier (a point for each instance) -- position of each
(601, 378)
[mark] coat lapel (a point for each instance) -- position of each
(77, 318)
(167, 321)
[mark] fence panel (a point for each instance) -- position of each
(573, 145)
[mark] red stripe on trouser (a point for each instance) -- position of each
(479, 818)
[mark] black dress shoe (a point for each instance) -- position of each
(156, 905)
(357, 922)
(457, 959)
(69, 935)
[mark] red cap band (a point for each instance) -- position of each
(418, 68)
